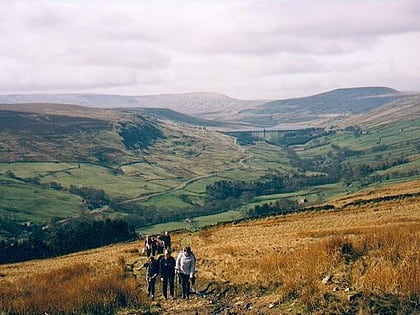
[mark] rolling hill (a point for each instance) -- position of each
(47, 148)
(317, 219)
(340, 101)
(322, 109)
(222, 111)
(203, 103)
(403, 109)
(171, 115)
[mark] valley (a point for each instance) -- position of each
(154, 171)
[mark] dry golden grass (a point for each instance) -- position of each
(391, 190)
(371, 248)
(370, 253)
(383, 260)
(76, 289)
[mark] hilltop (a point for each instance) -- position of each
(69, 133)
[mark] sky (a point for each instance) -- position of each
(247, 49)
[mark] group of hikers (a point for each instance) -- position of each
(156, 245)
(169, 269)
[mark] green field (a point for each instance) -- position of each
(23, 202)
(174, 172)
(400, 140)
(197, 222)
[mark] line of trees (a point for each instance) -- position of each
(272, 184)
(282, 207)
(60, 240)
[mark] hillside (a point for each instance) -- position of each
(49, 132)
(321, 108)
(60, 162)
(361, 256)
(171, 115)
(70, 172)
(403, 109)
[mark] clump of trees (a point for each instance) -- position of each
(282, 207)
(44, 242)
(93, 198)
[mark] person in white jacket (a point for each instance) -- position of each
(185, 267)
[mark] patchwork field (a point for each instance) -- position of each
(174, 171)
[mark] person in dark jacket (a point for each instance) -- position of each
(167, 240)
(154, 246)
(152, 271)
(167, 274)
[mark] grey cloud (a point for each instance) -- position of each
(186, 45)
(319, 27)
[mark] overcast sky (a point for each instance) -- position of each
(243, 48)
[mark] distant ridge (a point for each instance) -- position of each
(321, 109)
(187, 103)
(218, 110)
(340, 101)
